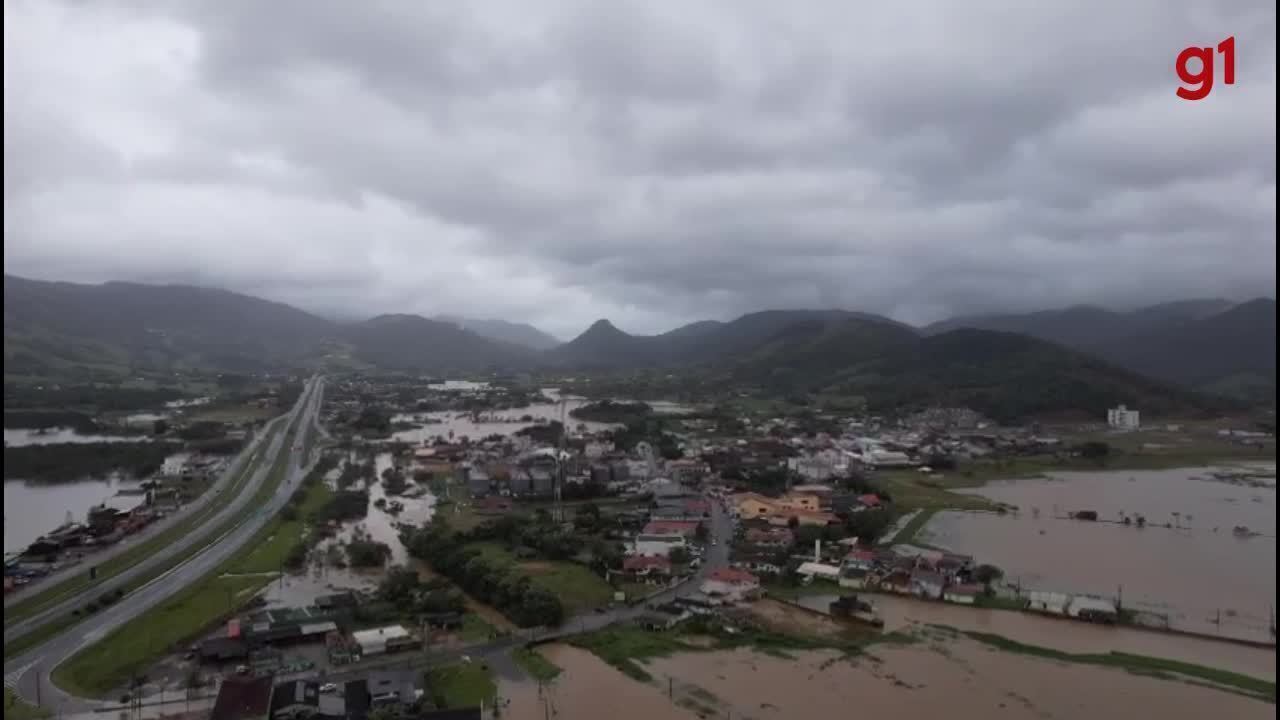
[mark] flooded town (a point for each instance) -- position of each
(639, 361)
(499, 539)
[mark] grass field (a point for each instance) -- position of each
(16, 709)
(109, 663)
(462, 685)
(538, 667)
(576, 586)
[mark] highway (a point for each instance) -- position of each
(28, 673)
(18, 628)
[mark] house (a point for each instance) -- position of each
(962, 594)
(478, 482)
(1095, 609)
(683, 528)
(869, 501)
(656, 544)
(927, 584)
(1048, 602)
(897, 581)
(302, 699)
(377, 641)
(647, 567)
(774, 537)
(389, 687)
(731, 584)
(242, 698)
(779, 511)
(853, 577)
(860, 558)
(819, 570)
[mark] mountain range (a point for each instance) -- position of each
(1042, 363)
(1211, 345)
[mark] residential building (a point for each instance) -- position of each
(241, 697)
(853, 577)
(645, 568)
(657, 544)
(962, 594)
(1122, 418)
(731, 584)
(378, 641)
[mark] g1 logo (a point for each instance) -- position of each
(1197, 85)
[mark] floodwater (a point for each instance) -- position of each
(379, 525)
(1066, 635)
(508, 422)
(33, 510)
(20, 437)
(1196, 572)
(952, 678)
(587, 688)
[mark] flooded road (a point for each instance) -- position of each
(379, 524)
(1197, 572)
(1066, 635)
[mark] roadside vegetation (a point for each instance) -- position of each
(533, 662)
(1138, 664)
(627, 647)
(462, 685)
(17, 709)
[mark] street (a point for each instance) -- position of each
(28, 673)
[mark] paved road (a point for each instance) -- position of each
(28, 673)
(18, 628)
(128, 543)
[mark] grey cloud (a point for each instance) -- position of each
(654, 163)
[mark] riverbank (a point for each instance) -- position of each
(903, 613)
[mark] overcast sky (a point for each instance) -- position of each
(650, 162)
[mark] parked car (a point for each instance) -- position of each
(328, 688)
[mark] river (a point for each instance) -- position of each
(1196, 572)
(33, 510)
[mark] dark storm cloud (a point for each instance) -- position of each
(650, 162)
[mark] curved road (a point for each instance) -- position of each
(29, 672)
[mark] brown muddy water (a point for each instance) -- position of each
(1066, 635)
(321, 578)
(1197, 572)
(587, 688)
(955, 678)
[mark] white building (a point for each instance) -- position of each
(1122, 418)
(378, 640)
(657, 544)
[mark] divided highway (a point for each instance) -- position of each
(28, 673)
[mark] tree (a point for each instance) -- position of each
(868, 525)
(1094, 450)
(987, 574)
(679, 556)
